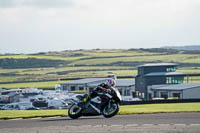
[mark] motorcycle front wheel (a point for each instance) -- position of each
(74, 111)
(111, 111)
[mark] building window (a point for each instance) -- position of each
(137, 93)
(73, 88)
(174, 80)
(150, 96)
(81, 88)
(171, 69)
(134, 94)
(127, 92)
(168, 80)
(155, 94)
(176, 95)
(164, 95)
(124, 92)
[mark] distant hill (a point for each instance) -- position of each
(188, 47)
(69, 64)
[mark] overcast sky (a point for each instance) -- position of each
(28, 26)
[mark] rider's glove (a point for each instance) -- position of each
(103, 89)
(108, 91)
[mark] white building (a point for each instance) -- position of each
(182, 91)
(82, 84)
(10, 96)
(125, 87)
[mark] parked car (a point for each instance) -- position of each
(33, 108)
(17, 106)
(57, 104)
(25, 105)
(40, 102)
(1, 105)
(11, 106)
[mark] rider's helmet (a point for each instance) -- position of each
(111, 83)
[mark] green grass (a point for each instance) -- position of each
(41, 57)
(85, 54)
(189, 69)
(90, 58)
(51, 73)
(12, 114)
(116, 53)
(130, 109)
(50, 84)
(147, 58)
(160, 108)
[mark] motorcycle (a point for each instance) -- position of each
(105, 103)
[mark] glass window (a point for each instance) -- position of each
(150, 95)
(125, 93)
(81, 88)
(134, 94)
(174, 80)
(176, 95)
(171, 69)
(73, 88)
(164, 95)
(128, 92)
(155, 94)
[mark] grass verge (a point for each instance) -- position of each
(160, 108)
(129, 109)
(14, 114)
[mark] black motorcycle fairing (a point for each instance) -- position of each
(89, 111)
(99, 105)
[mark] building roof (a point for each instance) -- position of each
(119, 83)
(165, 74)
(176, 87)
(158, 64)
(125, 82)
(11, 90)
(84, 81)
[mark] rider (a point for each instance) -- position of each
(104, 87)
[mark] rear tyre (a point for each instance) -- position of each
(74, 111)
(112, 111)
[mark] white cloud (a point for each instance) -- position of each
(36, 3)
(74, 24)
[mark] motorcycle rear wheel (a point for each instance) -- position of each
(112, 111)
(75, 111)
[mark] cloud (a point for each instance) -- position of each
(75, 24)
(36, 3)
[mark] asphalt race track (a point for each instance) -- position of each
(142, 123)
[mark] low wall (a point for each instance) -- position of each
(160, 101)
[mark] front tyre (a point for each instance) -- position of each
(111, 111)
(74, 111)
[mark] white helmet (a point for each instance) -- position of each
(111, 83)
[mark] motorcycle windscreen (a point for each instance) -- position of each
(118, 94)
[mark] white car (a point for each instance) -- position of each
(11, 107)
(57, 104)
(17, 106)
